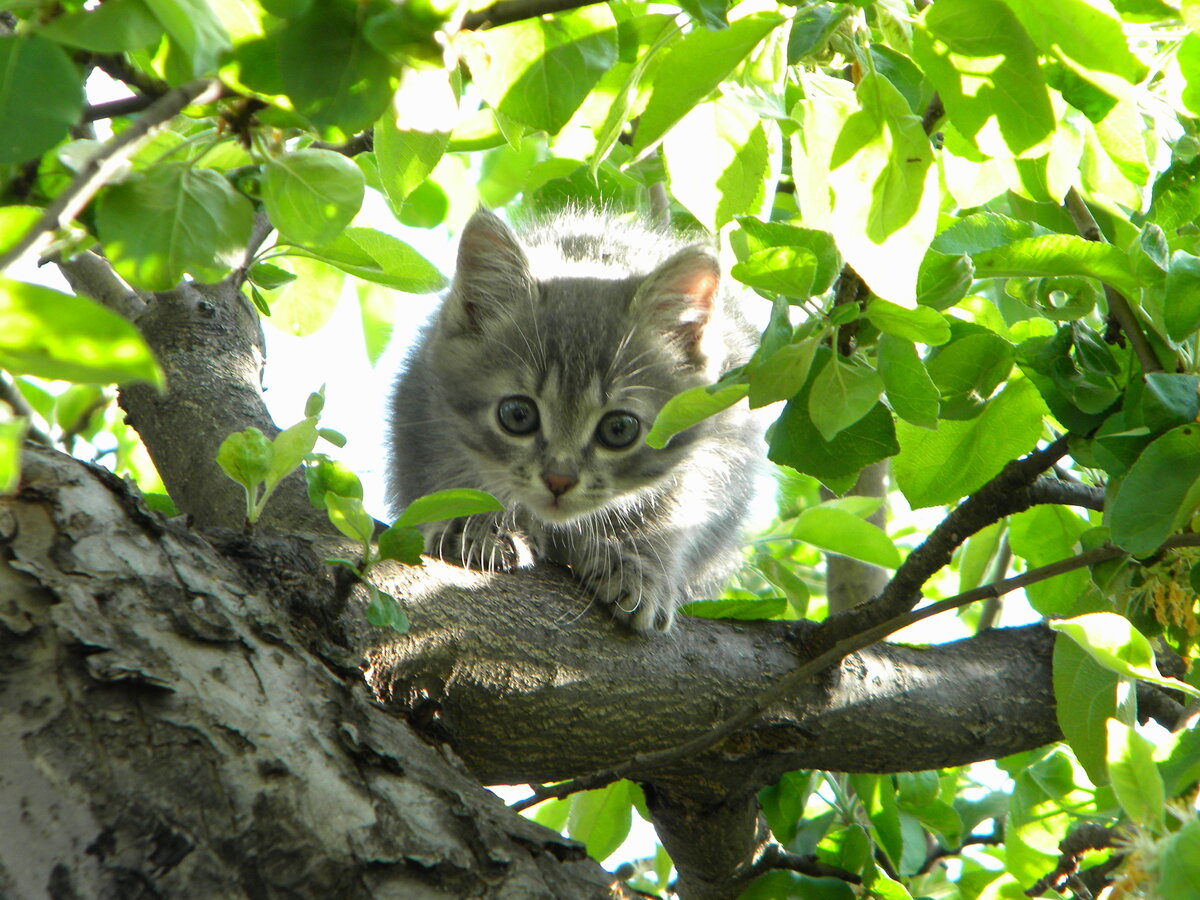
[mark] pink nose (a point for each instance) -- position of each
(558, 484)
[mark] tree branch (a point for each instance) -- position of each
(506, 11)
(786, 686)
(67, 205)
(1007, 493)
(1118, 306)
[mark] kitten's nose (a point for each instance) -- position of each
(558, 484)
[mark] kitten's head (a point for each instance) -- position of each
(554, 358)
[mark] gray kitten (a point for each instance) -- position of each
(537, 381)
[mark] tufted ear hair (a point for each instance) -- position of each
(492, 272)
(679, 298)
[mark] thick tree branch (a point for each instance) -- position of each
(104, 162)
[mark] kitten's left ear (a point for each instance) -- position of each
(679, 297)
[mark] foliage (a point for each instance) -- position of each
(971, 225)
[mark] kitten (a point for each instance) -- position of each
(537, 381)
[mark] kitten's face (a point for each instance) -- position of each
(554, 403)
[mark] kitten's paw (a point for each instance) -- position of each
(641, 596)
(478, 542)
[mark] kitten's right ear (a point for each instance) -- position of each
(492, 272)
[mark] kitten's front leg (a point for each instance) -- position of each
(485, 541)
(633, 575)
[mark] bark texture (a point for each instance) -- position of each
(165, 732)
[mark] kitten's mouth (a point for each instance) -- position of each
(560, 510)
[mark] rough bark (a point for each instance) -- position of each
(165, 732)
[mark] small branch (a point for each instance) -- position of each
(1118, 306)
(775, 857)
(363, 142)
(787, 685)
(506, 11)
(974, 840)
(1007, 493)
(67, 205)
(933, 114)
(118, 68)
(1088, 836)
(991, 608)
(10, 394)
(93, 276)
(113, 108)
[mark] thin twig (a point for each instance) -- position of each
(787, 685)
(113, 108)
(101, 165)
(507, 11)
(11, 394)
(1118, 306)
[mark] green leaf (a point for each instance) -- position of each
(194, 30)
(911, 393)
(12, 433)
(405, 157)
(1134, 777)
(538, 71)
(837, 531)
(840, 395)
(694, 66)
(986, 71)
(54, 335)
(290, 447)
(689, 407)
(166, 222)
(745, 610)
(1040, 536)
(783, 803)
(384, 612)
(41, 96)
(375, 256)
(885, 190)
(1059, 254)
(780, 375)
(333, 74)
(1179, 865)
(15, 221)
(311, 195)
(1085, 695)
(943, 280)
(921, 325)
(269, 276)
(403, 543)
(1170, 399)
(754, 240)
(1156, 494)
(448, 504)
(245, 456)
(729, 178)
(348, 516)
(601, 818)
(937, 467)
(113, 27)
(1114, 643)
(779, 270)
(1181, 303)
(968, 369)
(1085, 37)
(323, 474)
(794, 441)
(1181, 767)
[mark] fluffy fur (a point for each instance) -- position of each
(537, 381)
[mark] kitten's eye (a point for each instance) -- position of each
(518, 415)
(617, 430)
